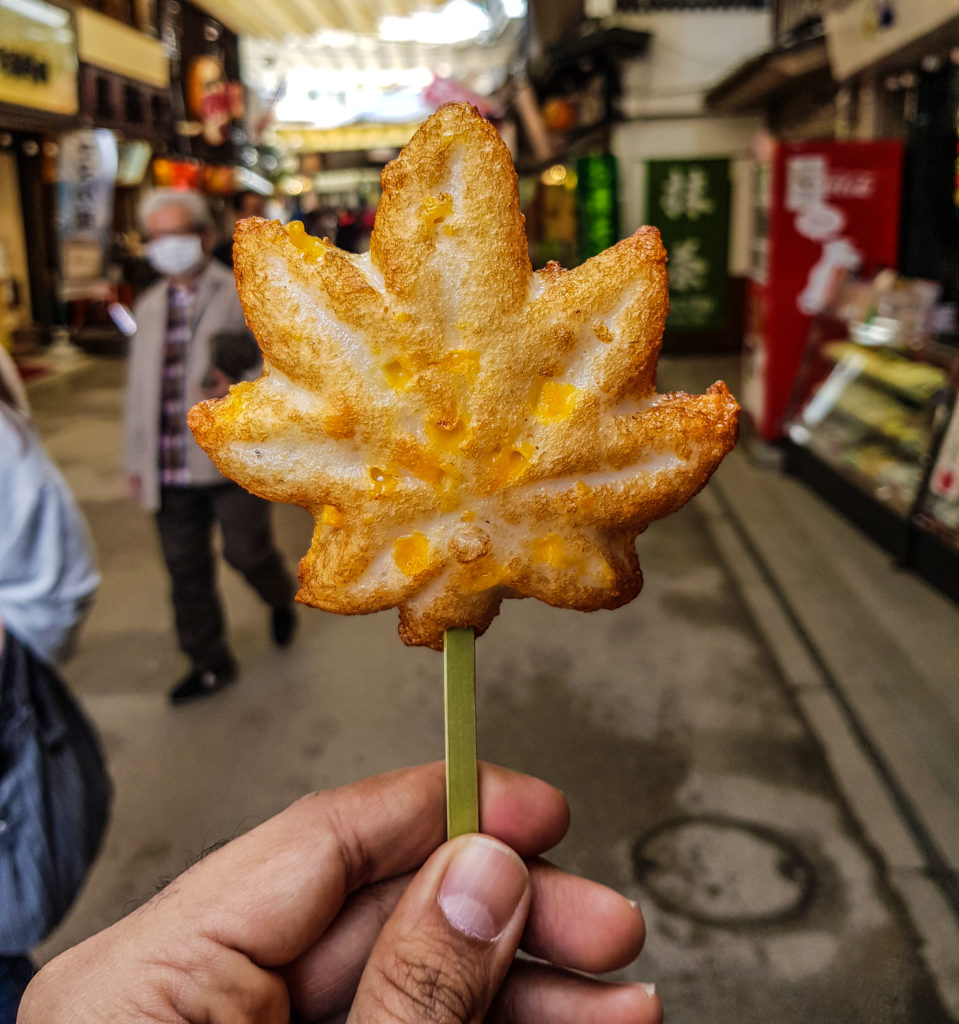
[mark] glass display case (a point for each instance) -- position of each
(934, 547)
(872, 426)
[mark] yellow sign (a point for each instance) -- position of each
(38, 57)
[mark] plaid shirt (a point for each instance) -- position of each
(181, 307)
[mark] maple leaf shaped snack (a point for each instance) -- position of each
(461, 428)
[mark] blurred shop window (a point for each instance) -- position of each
(132, 104)
(104, 99)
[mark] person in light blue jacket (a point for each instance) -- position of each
(48, 579)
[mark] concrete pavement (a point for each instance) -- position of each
(690, 757)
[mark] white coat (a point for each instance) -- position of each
(217, 309)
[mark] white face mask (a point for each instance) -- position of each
(175, 254)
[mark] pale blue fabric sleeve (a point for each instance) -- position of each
(48, 574)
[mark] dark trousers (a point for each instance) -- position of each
(185, 523)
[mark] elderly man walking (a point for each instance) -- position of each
(170, 369)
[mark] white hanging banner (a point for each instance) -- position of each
(86, 178)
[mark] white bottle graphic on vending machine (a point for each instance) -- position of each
(823, 223)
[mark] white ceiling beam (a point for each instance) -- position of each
(247, 19)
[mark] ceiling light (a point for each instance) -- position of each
(456, 22)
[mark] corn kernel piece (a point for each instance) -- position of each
(448, 438)
(436, 209)
(398, 373)
(312, 248)
(332, 516)
(424, 466)
(510, 463)
(517, 460)
(462, 361)
(550, 549)
(481, 575)
(296, 232)
(448, 493)
(382, 482)
(551, 401)
(449, 138)
(584, 499)
(411, 553)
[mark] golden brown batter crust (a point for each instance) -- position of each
(461, 428)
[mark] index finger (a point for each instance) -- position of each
(273, 892)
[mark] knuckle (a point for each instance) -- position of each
(436, 988)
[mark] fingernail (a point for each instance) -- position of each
(649, 988)
(482, 887)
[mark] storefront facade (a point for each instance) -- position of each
(38, 100)
(854, 368)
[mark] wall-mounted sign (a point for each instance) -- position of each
(212, 99)
(86, 174)
(597, 203)
(110, 45)
(688, 200)
(38, 57)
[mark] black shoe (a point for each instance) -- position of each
(202, 683)
(283, 626)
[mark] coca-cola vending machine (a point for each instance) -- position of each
(823, 210)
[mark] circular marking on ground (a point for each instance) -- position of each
(726, 872)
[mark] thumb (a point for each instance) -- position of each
(447, 946)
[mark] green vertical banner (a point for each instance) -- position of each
(597, 203)
(688, 200)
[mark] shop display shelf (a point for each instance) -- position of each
(853, 495)
(866, 428)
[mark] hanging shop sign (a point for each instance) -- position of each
(108, 44)
(212, 100)
(86, 176)
(38, 57)
(597, 203)
(688, 200)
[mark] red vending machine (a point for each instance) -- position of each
(823, 210)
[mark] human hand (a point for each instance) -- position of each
(318, 908)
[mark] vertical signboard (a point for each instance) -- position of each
(597, 201)
(688, 200)
(86, 176)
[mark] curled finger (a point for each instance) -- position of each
(534, 993)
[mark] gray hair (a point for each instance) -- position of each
(191, 202)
